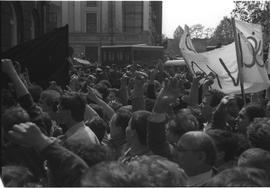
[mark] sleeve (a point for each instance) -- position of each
(65, 167)
(156, 136)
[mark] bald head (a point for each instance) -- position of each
(197, 140)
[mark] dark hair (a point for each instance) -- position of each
(208, 146)
(144, 171)
(14, 115)
(98, 126)
(103, 90)
(106, 174)
(255, 158)
(35, 91)
(258, 133)
(139, 123)
(225, 141)
(216, 97)
(157, 171)
(239, 176)
(183, 122)
(253, 111)
(122, 118)
(91, 155)
(51, 98)
(16, 176)
(74, 102)
(106, 83)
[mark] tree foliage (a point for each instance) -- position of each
(197, 31)
(257, 12)
(223, 33)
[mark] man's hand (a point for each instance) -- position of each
(29, 135)
(7, 67)
(168, 95)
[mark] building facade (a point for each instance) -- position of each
(25, 20)
(96, 23)
(91, 23)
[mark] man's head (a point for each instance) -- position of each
(258, 133)
(11, 116)
(71, 108)
(16, 176)
(239, 177)
(247, 115)
(49, 99)
(226, 143)
(255, 158)
(119, 123)
(195, 152)
(183, 122)
(136, 130)
(145, 171)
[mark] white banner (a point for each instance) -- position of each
(223, 63)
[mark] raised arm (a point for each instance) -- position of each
(108, 111)
(138, 102)
(193, 98)
(9, 69)
(65, 167)
(151, 93)
(123, 91)
(156, 128)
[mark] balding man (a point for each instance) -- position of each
(196, 154)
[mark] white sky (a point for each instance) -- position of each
(209, 13)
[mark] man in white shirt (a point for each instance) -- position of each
(71, 114)
(196, 154)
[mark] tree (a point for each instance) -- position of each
(223, 33)
(196, 31)
(257, 12)
(178, 32)
(208, 32)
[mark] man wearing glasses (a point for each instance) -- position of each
(196, 154)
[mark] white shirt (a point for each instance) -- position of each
(200, 179)
(80, 133)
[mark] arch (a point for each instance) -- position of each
(9, 26)
(35, 23)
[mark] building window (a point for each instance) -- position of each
(91, 22)
(91, 3)
(132, 16)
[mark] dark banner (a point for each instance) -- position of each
(44, 57)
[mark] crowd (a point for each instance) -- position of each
(131, 126)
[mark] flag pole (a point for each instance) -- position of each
(239, 59)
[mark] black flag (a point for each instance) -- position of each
(44, 57)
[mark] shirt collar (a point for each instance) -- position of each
(73, 129)
(200, 178)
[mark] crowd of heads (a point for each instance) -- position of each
(131, 126)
